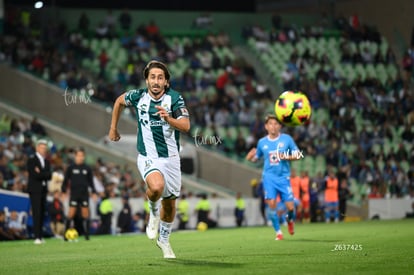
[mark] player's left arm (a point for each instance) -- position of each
(178, 118)
(182, 123)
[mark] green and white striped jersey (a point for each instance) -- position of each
(156, 138)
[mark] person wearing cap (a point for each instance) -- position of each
(40, 173)
(161, 115)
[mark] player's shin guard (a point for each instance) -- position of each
(165, 231)
(272, 215)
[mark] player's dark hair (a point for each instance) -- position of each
(156, 64)
(271, 116)
(79, 149)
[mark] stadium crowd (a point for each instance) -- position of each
(366, 132)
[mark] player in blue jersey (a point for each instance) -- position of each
(161, 114)
(277, 150)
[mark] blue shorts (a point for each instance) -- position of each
(331, 204)
(274, 187)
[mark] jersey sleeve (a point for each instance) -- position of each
(259, 151)
(178, 107)
(132, 96)
(292, 145)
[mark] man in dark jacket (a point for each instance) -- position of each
(39, 173)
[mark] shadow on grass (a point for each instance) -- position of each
(190, 262)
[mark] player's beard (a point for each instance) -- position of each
(157, 92)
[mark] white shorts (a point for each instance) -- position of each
(169, 168)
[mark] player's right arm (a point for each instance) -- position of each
(119, 106)
(251, 155)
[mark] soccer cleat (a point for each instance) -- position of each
(166, 250)
(291, 227)
(279, 237)
(152, 227)
(38, 241)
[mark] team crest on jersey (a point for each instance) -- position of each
(280, 145)
(265, 147)
(274, 157)
(166, 107)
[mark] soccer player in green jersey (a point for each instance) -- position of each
(161, 114)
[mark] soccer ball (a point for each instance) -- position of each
(71, 234)
(202, 226)
(293, 108)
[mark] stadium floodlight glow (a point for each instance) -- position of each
(38, 4)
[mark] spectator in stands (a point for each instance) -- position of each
(288, 78)
(102, 30)
(124, 222)
(103, 61)
(110, 20)
(55, 184)
(407, 134)
(3, 183)
(125, 20)
(16, 227)
(5, 233)
(57, 216)
(276, 20)
(37, 128)
(153, 31)
(240, 146)
(374, 192)
(408, 64)
(83, 23)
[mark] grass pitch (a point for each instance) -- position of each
(374, 247)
